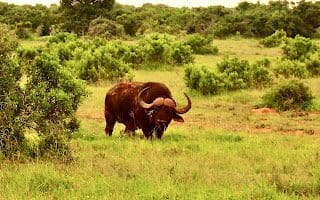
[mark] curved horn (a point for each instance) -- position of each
(169, 102)
(158, 101)
(185, 109)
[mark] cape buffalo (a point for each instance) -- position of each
(147, 106)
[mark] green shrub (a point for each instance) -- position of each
(53, 95)
(291, 68)
(12, 118)
(192, 76)
(158, 49)
(134, 56)
(203, 80)
(261, 76)
(201, 45)
(298, 48)
(55, 144)
(233, 74)
(91, 60)
(181, 53)
(289, 96)
(105, 28)
(237, 73)
(62, 37)
(274, 40)
(101, 65)
(313, 64)
(316, 35)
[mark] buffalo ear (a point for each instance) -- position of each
(178, 118)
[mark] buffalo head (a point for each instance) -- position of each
(161, 111)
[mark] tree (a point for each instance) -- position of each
(81, 12)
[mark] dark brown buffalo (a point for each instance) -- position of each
(147, 106)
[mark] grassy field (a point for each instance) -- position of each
(224, 150)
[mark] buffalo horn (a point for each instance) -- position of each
(157, 102)
(186, 108)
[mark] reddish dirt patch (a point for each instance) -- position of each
(260, 111)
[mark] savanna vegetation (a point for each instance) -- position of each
(251, 71)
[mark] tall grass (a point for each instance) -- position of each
(222, 151)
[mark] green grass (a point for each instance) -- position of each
(222, 151)
(188, 163)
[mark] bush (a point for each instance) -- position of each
(313, 64)
(289, 96)
(181, 53)
(260, 74)
(291, 68)
(233, 74)
(201, 45)
(91, 60)
(101, 65)
(202, 80)
(62, 37)
(274, 40)
(105, 28)
(237, 73)
(298, 48)
(157, 49)
(316, 35)
(12, 118)
(53, 95)
(134, 56)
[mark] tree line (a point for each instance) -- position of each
(109, 19)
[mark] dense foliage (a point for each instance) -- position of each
(274, 40)
(233, 74)
(201, 45)
(247, 19)
(12, 118)
(43, 106)
(164, 49)
(300, 58)
(293, 95)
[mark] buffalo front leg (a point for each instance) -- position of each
(148, 133)
(130, 128)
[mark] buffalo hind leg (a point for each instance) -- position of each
(109, 124)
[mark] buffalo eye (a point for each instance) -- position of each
(150, 113)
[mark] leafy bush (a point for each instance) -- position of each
(55, 144)
(101, 65)
(163, 49)
(105, 28)
(12, 118)
(291, 68)
(313, 64)
(134, 56)
(260, 74)
(233, 74)
(53, 94)
(181, 53)
(237, 73)
(298, 48)
(316, 35)
(289, 96)
(91, 60)
(201, 45)
(202, 80)
(156, 47)
(63, 37)
(274, 40)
